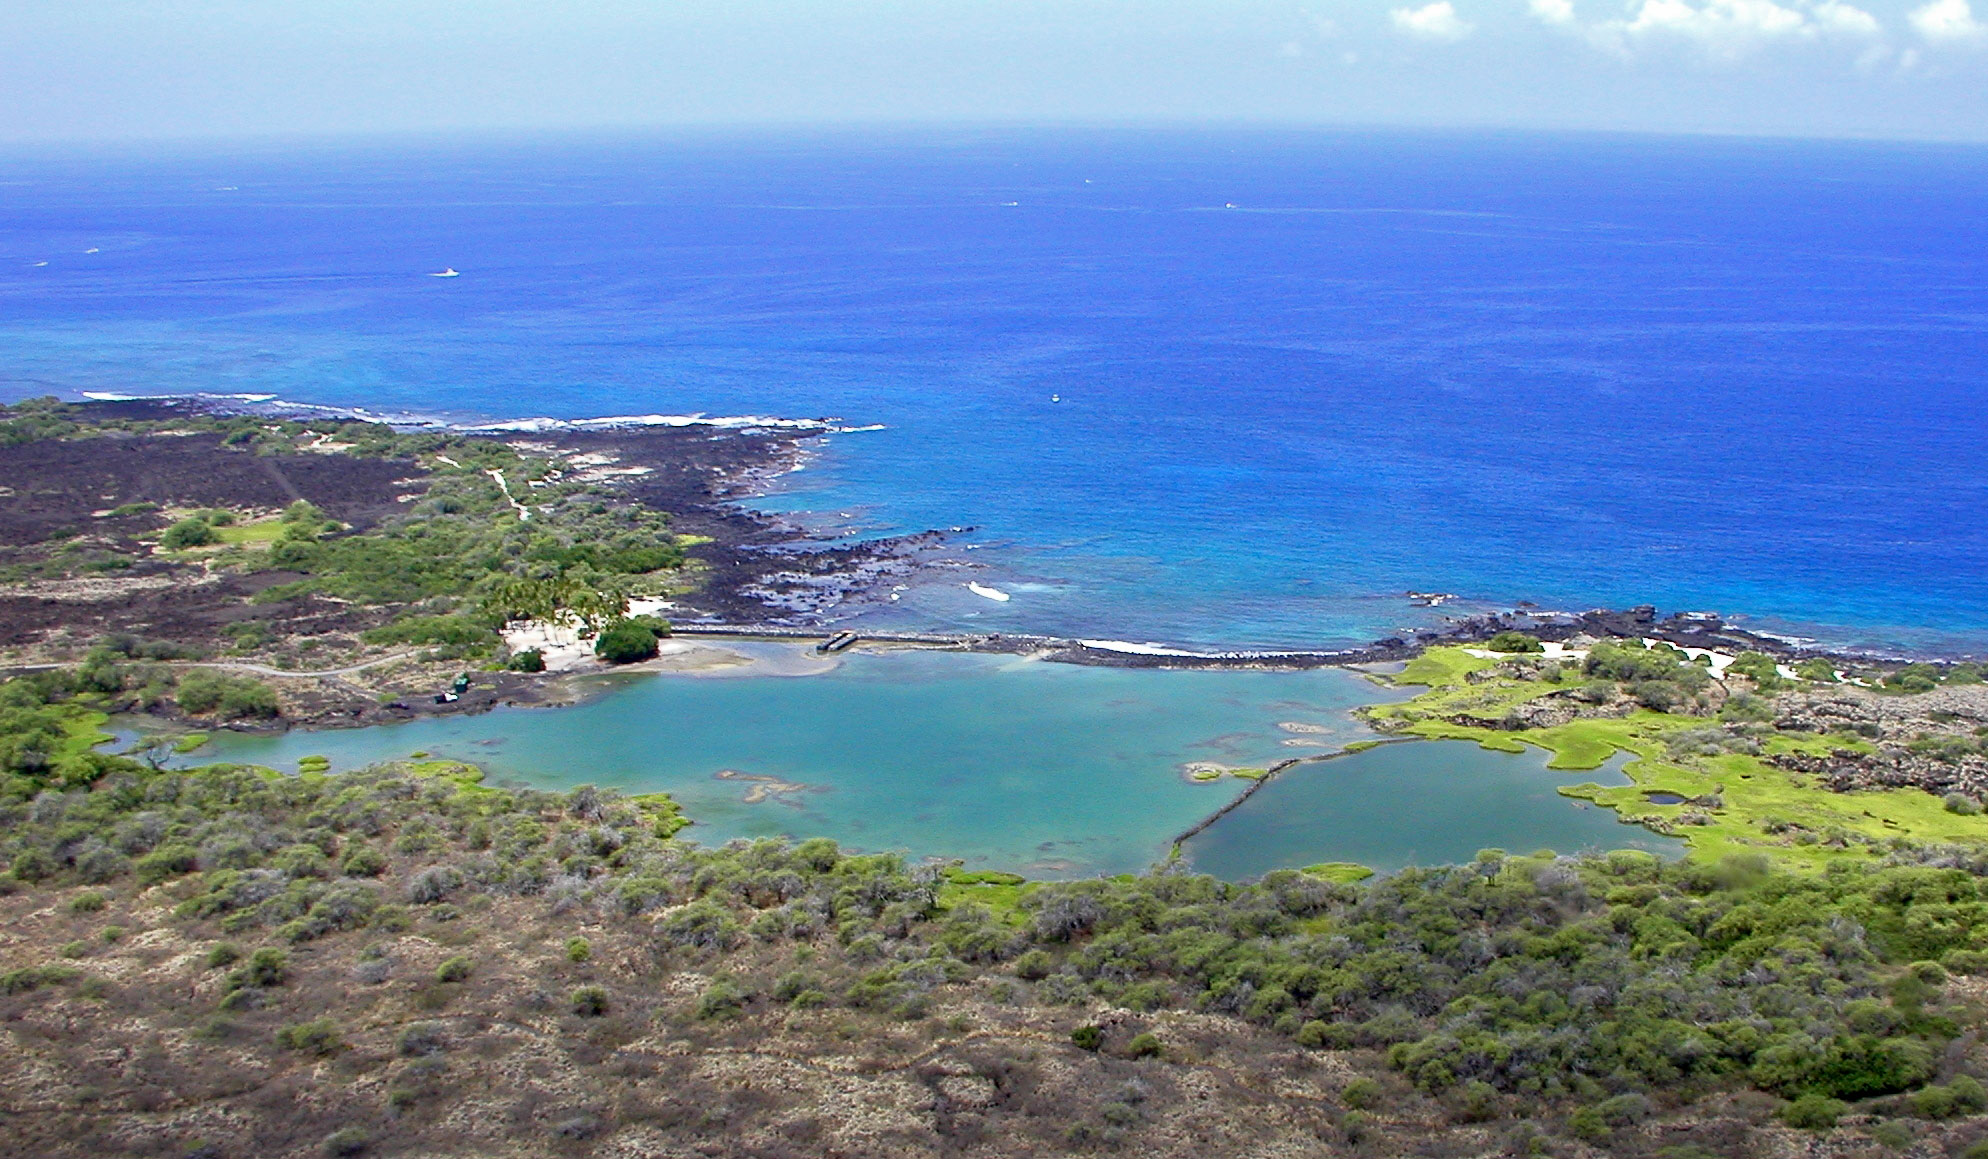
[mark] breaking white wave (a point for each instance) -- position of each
(115, 396)
(995, 594)
(1130, 648)
(276, 403)
(535, 425)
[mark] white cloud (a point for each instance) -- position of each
(1947, 21)
(1732, 28)
(1718, 20)
(1844, 20)
(1554, 11)
(1434, 21)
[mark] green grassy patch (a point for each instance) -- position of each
(1765, 809)
(82, 730)
(459, 771)
(1816, 744)
(1000, 892)
(1451, 693)
(1442, 668)
(262, 531)
(1344, 872)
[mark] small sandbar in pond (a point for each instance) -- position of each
(1419, 803)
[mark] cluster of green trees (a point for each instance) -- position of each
(204, 692)
(1660, 678)
(1926, 677)
(631, 640)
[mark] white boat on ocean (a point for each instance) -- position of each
(446, 272)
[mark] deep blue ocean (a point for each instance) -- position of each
(1299, 372)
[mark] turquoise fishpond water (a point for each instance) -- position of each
(1417, 803)
(1050, 770)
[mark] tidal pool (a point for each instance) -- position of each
(1417, 803)
(1051, 770)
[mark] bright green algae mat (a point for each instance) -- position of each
(1416, 803)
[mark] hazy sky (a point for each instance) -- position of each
(74, 69)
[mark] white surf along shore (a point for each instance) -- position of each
(529, 425)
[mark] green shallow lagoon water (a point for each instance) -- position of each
(1419, 803)
(1050, 770)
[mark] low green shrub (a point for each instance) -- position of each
(192, 532)
(363, 861)
(319, 1036)
(166, 863)
(420, 1039)
(29, 978)
(1361, 1094)
(721, 999)
(1913, 678)
(266, 967)
(1813, 1112)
